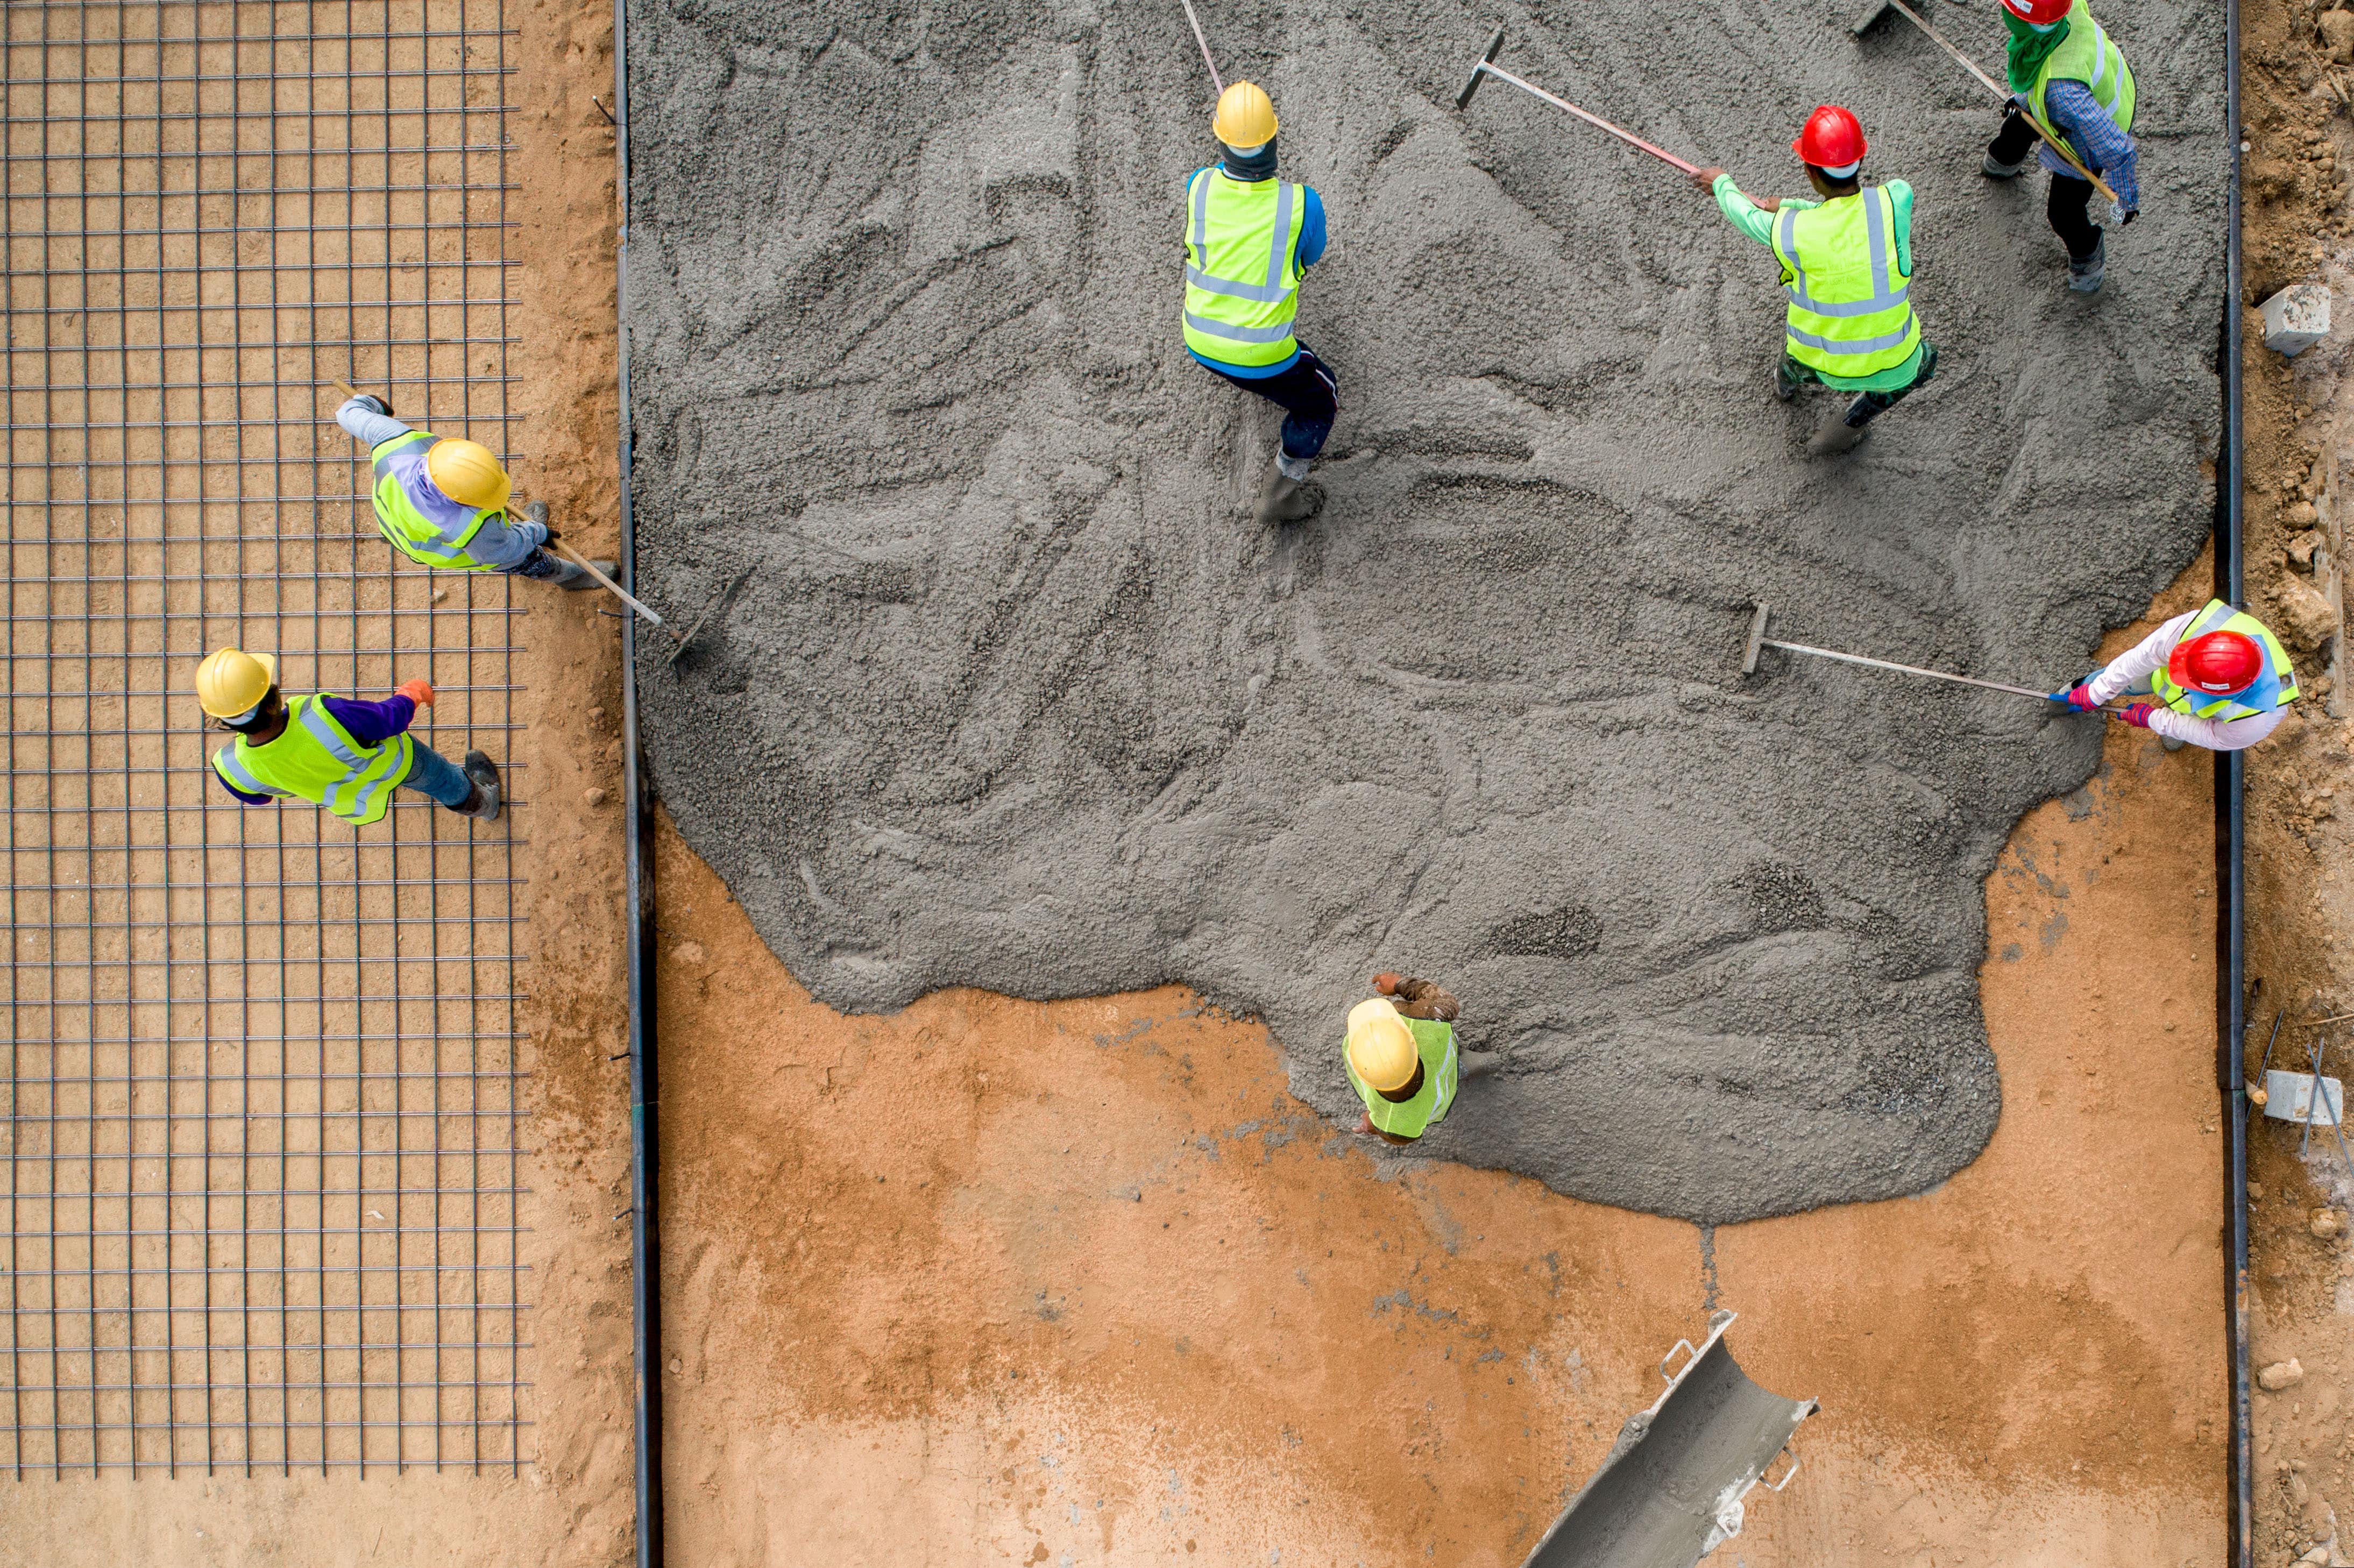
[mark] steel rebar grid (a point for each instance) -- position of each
(265, 1070)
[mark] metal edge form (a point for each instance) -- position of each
(645, 1285)
(2231, 905)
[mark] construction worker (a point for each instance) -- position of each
(336, 752)
(2065, 71)
(1402, 1059)
(1847, 268)
(2220, 676)
(442, 501)
(1250, 238)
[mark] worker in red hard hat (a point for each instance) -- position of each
(2065, 71)
(1847, 268)
(2220, 676)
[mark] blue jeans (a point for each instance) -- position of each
(432, 775)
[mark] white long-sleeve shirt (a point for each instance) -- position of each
(502, 541)
(2132, 669)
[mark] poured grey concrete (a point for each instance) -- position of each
(1016, 700)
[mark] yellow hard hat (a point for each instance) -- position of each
(468, 474)
(232, 682)
(1246, 116)
(1381, 1047)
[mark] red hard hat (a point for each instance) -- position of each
(2040, 12)
(2218, 664)
(1832, 139)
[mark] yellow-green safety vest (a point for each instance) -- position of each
(414, 517)
(2086, 55)
(315, 759)
(1242, 272)
(1441, 1070)
(2276, 687)
(1849, 310)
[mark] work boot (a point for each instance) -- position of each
(1282, 499)
(1995, 170)
(483, 805)
(2085, 276)
(1841, 430)
(1786, 386)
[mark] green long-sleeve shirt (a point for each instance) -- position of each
(1758, 224)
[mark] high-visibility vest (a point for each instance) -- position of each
(1242, 273)
(416, 518)
(315, 759)
(1441, 1070)
(2276, 687)
(1849, 310)
(2086, 55)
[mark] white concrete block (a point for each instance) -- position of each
(2296, 318)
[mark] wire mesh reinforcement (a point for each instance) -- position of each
(264, 1070)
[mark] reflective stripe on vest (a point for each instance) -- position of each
(2276, 688)
(1241, 281)
(2086, 55)
(1851, 313)
(1441, 1072)
(315, 759)
(417, 519)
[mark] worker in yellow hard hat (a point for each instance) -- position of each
(1402, 1059)
(1250, 238)
(443, 501)
(337, 752)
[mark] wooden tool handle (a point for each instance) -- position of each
(569, 553)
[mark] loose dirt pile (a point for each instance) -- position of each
(1015, 700)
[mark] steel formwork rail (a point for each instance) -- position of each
(154, 1062)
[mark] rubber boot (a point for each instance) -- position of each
(1282, 499)
(2085, 276)
(483, 805)
(1841, 430)
(1786, 386)
(1999, 171)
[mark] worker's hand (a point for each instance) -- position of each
(418, 691)
(2131, 213)
(2076, 699)
(2135, 714)
(1704, 179)
(1767, 204)
(374, 404)
(1386, 983)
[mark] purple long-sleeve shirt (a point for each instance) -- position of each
(370, 724)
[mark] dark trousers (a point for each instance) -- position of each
(1868, 405)
(2065, 204)
(1308, 393)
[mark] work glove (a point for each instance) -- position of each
(374, 404)
(2131, 213)
(2135, 714)
(2076, 699)
(418, 691)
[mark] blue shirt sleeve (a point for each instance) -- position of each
(249, 799)
(372, 724)
(2105, 150)
(367, 426)
(505, 541)
(1311, 248)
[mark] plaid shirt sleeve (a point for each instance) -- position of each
(2106, 151)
